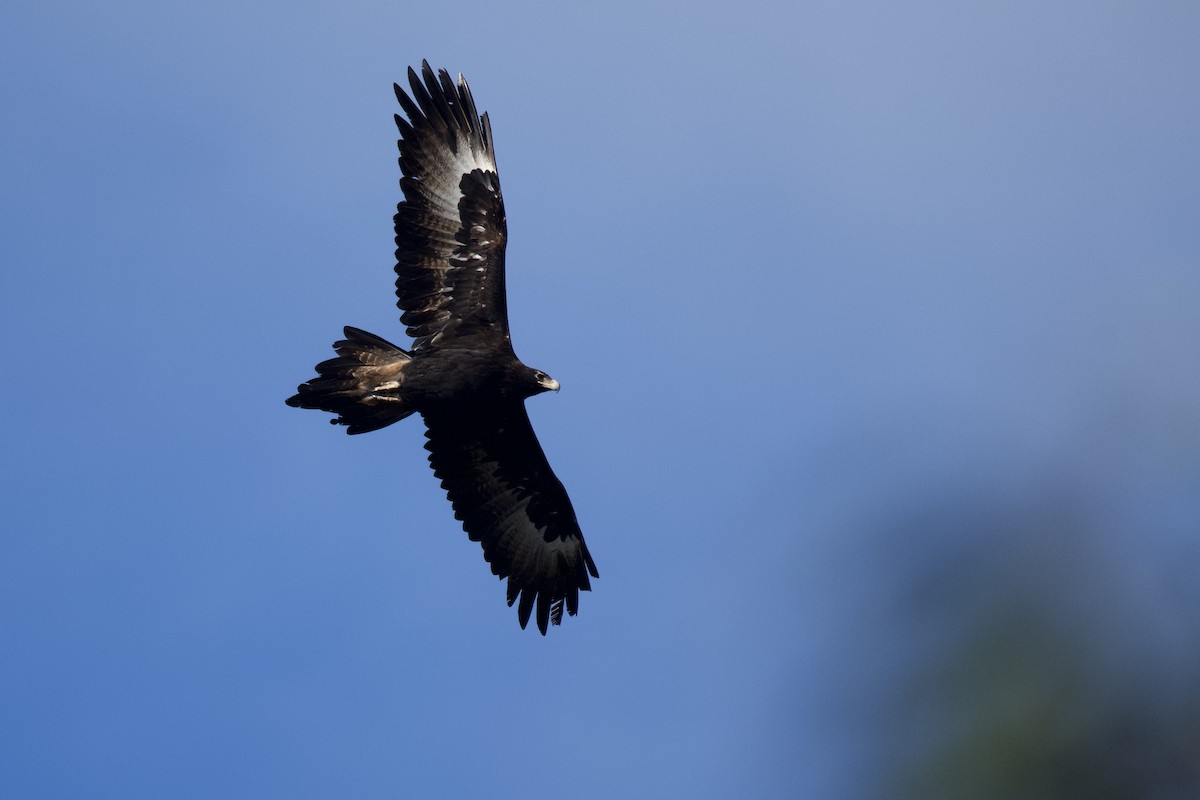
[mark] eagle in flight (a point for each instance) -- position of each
(461, 374)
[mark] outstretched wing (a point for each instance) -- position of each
(502, 488)
(450, 227)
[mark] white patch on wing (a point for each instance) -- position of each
(446, 173)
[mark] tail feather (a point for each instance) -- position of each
(362, 385)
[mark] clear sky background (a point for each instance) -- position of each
(878, 329)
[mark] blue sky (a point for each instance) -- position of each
(873, 321)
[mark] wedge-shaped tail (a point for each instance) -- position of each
(362, 385)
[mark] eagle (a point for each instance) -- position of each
(461, 373)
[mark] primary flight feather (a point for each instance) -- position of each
(461, 374)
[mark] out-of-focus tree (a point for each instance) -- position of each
(1038, 690)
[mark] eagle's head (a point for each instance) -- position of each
(539, 382)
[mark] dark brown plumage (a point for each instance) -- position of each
(461, 374)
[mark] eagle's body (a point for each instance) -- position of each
(461, 374)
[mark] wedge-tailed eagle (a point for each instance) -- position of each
(461, 374)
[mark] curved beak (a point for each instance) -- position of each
(549, 384)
